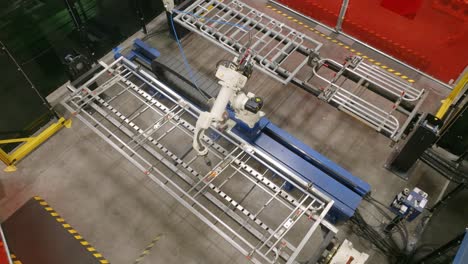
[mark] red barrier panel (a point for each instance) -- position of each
(406, 8)
(431, 35)
(324, 11)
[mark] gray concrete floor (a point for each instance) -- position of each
(119, 210)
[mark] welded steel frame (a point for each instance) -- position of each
(367, 112)
(237, 27)
(217, 21)
(183, 177)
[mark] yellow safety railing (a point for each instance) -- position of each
(30, 144)
(449, 100)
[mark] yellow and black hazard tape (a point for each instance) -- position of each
(147, 250)
(339, 43)
(72, 231)
(15, 259)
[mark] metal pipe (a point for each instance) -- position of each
(339, 22)
(366, 45)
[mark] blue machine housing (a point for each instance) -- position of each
(340, 185)
(140, 50)
(462, 253)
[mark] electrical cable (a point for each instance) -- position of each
(213, 20)
(187, 65)
(401, 227)
(182, 53)
(385, 243)
(249, 30)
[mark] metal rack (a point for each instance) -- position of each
(237, 27)
(283, 52)
(236, 190)
(364, 74)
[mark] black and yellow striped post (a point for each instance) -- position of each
(71, 231)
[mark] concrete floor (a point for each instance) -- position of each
(119, 210)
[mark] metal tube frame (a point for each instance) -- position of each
(187, 180)
(274, 41)
(341, 16)
(228, 23)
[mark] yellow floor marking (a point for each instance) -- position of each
(70, 230)
(91, 249)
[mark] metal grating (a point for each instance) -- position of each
(236, 190)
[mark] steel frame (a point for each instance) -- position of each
(376, 117)
(237, 27)
(274, 227)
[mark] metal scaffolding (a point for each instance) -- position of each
(236, 189)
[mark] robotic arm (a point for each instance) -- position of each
(232, 77)
(169, 5)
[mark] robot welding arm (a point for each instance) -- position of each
(169, 5)
(231, 82)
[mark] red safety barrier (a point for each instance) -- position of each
(406, 8)
(430, 35)
(456, 8)
(325, 11)
(4, 257)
